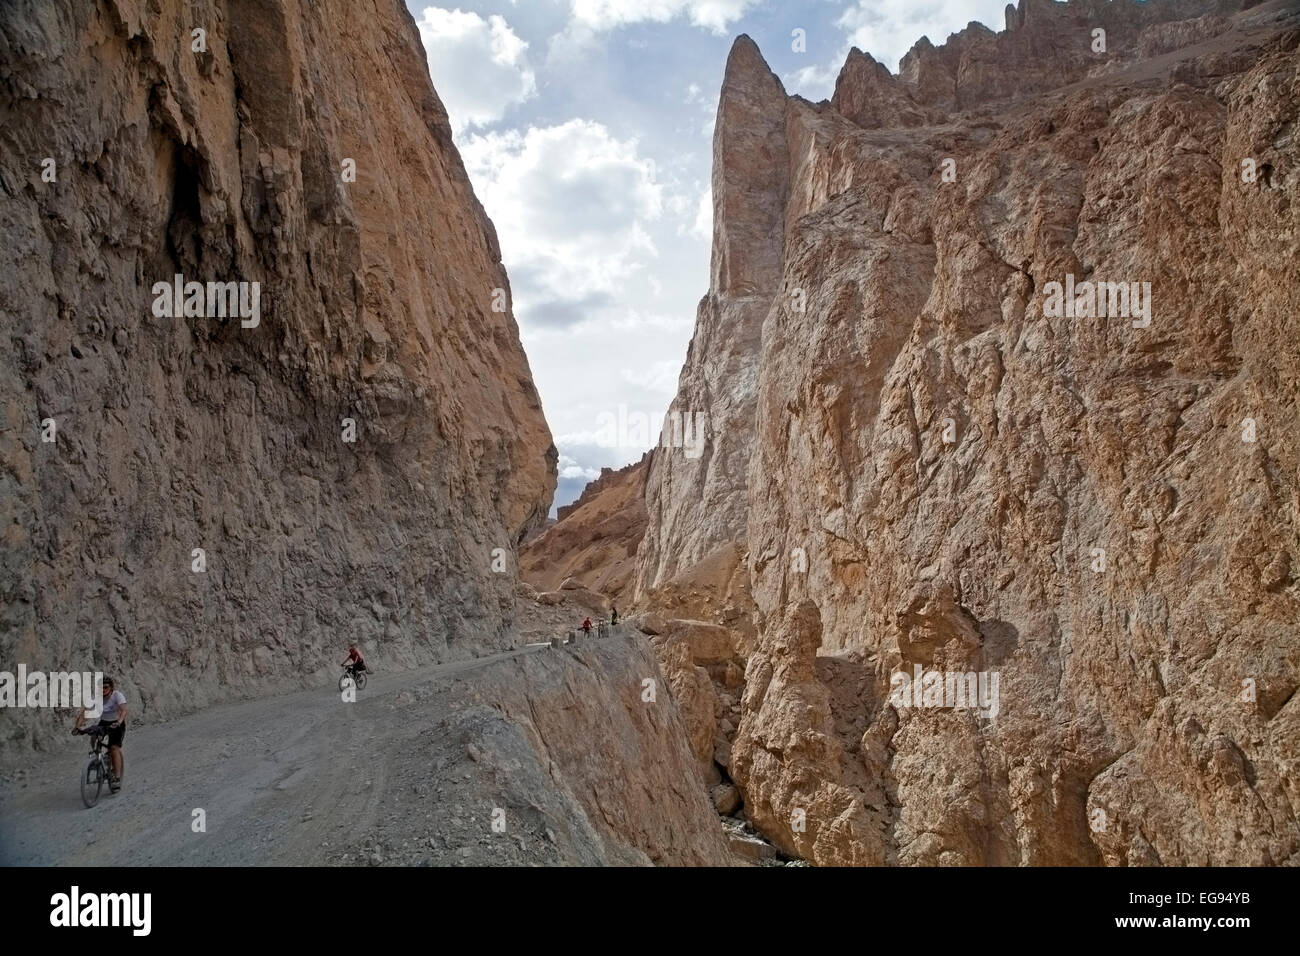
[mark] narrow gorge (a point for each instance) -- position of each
(985, 553)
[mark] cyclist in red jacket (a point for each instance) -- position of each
(355, 660)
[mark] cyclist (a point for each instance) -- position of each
(112, 721)
(355, 661)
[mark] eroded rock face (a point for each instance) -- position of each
(696, 700)
(174, 434)
(555, 705)
(936, 454)
(867, 93)
(704, 665)
(1047, 44)
(804, 786)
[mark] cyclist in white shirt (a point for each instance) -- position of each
(112, 720)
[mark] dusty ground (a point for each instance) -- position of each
(412, 773)
(287, 779)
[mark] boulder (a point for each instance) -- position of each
(709, 643)
(726, 798)
(649, 623)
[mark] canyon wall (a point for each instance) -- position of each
(349, 458)
(929, 467)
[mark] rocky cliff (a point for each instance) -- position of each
(930, 462)
(206, 502)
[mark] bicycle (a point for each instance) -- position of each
(100, 768)
(356, 677)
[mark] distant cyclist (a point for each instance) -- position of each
(112, 720)
(586, 626)
(355, 661)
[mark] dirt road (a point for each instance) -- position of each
(280, 780)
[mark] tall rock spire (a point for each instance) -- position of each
(751, 171)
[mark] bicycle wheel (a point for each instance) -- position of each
(92, 782)
(361, 680)
(345, 682)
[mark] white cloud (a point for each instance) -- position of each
(694, 213)
(706, 104)
(702, 227)
(569, 439)
(479, 67)
(659, 378)
(888, 28)
(569, 468)
(815, 82)
(574, 208)
(714, 15)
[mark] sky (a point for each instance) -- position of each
(586, 127)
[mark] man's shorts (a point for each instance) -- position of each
(114, 734)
